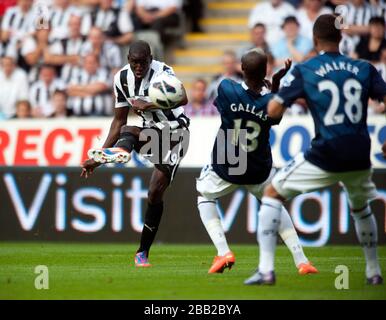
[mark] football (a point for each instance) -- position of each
(166, 91)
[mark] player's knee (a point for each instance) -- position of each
(130, 130)
(202, 199)
(271, 192)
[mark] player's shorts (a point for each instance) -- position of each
(212, 187)
(301, 176)
(169, 156)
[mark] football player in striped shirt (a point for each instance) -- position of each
(131, 86)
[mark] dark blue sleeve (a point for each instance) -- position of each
(377, 85)
(292, 88)
(221, 95)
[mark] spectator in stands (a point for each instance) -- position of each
(293, 45)
(14, 86)
(4, 5)
(59, 104)
(17, 23)
(32, 52)
(89, 91)
(376, 107)
(108, 53)
(381, 65)
(271, 14)
(257, 36)
(199, 104)
(157, 15)
(194, 11)
(378, 8)
(67, 52)
(357, 14)
(114, 22)
(230, 71)
(307, 14)
(371, 45)
(23, 110)
(41, 91)
(61, 13)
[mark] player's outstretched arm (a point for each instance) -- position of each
(119, 120)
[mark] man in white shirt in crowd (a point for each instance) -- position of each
(14, 87)
(272, 14)
(157, 15)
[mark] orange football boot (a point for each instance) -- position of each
(307, 268)
(220, 263)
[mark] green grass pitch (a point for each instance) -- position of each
(106, 271)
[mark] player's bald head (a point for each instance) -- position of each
(140, 47)
(254, 64)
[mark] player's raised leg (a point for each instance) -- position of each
(121, 152)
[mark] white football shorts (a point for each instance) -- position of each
(301, 176)
(212, 187)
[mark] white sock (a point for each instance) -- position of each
(269, 221)
(211, 220)
(366, 229)
(288, 234)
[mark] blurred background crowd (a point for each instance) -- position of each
(58, 57)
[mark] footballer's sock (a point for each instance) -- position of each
(152, 220)
(126, 141)
(211, 220)
(366, 229)
(288, 234)
(268, 226)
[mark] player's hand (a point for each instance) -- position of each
(384, 149)
(88, 168)
(279, 75)
(283, 71)
(140, 105)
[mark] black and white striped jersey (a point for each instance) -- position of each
(59, 20)
(113, 21)
(40, 95)
(68, 47)
(353, 15)
(126, 88)
(379, 9)
(109, 57)
(18, 23)
(358, 15)
(93, 105)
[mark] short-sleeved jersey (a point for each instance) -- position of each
(337, 89)
(241, 108)
(126, 88)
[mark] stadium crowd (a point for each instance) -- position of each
(58, 57)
